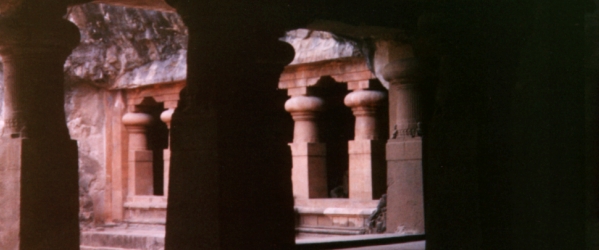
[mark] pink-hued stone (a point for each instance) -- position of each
(309, 173)
(364, 98)
(405, 203)
(366, 169)
(304, 104)
(364, 104)
(304, 110)
(167, 116)
(10, 193)
(140, 158)
(137, 119)
(136, 124)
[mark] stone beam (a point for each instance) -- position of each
(352, 69)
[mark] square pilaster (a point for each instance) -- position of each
(309, 172)
(404, 177)
(141, 175)
(38, 194)
(367, 172)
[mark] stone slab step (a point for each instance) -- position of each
(103, 248)
(123, 239)
(331, 230)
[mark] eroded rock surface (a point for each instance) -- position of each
(120, 48)
(126, 47)
(313, 46)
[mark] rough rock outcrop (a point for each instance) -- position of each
(313, 46)
(125, 47)
(120, 48)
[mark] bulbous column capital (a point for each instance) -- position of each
(304, 107)
(136, 122)
(137, 125)
(364, 98)
(304, 110)
(408, 78)
(364, 105)
(167, 116)
(404, 71)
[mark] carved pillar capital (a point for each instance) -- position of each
(406, 77)
(136, 124)
(304, 110)
(33, 54)
(167, 116)
(136, 121)
(364, 104)
(360, 99)
(37, 38)
(303, 107)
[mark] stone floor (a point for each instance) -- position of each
(120, 238)
(418, 245)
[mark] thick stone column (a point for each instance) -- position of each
(405, 202)
(38, 160)
(366, 151)
(309, 173)
(230, 174)
(167, 117)
(140, 163)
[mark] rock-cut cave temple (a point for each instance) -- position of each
(171, 124)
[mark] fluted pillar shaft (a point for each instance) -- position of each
(38, 160)
(366, 162)
(309, 175)
(140, 163)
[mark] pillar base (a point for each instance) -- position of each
(141, 172)
(39, 194)
(367, 173)
(405, 201)
(309, 173)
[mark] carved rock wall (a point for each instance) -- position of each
(126, 48)
(120, 48)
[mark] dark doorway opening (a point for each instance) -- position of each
(157, 136)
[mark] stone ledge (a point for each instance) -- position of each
(357, 241)
(335, 210)
(112, 239)
(146, 201)
(336, 202)
(331, 230)
(145, 205)
(103, 248)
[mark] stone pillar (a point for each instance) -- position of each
(309, 173)
(167, 117)
(140, 163)
(405, 202)
(366, 160)
(38, 161)
(230, 165)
